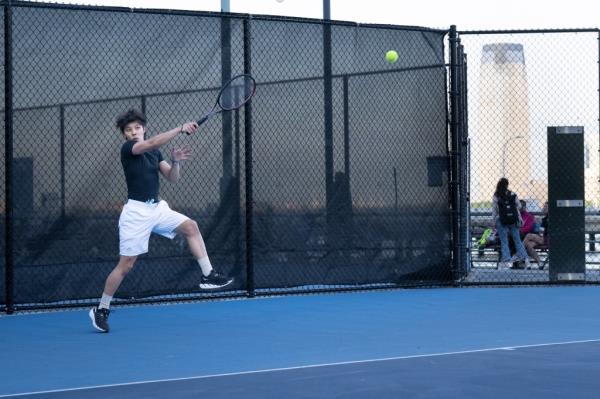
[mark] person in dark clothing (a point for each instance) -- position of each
(145, 213)
(505, 202)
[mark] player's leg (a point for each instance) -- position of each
(115, 278)
(211, 279)
(99, 314)
(135, 227)
(172, 223)
(189, 229)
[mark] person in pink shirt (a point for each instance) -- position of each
(528, 220)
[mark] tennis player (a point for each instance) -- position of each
(145, 213)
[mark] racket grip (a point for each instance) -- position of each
(202, 120)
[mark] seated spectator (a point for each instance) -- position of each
(528, 223)
(533, 240)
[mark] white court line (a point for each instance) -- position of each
(302, 367)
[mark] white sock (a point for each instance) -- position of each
(205, 265)
(105, 301)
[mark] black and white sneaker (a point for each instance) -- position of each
(100, 318)
(214, 280)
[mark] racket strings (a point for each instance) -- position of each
(237, 92)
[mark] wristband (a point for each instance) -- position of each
(175, 162)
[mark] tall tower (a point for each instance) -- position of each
(501, 138)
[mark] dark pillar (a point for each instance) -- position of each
(566, 203)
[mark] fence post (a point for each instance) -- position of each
(463, 165)
(454, 181)
(62, 163)
(465, 170)
(248, 167)
(226, 123)
(8, 160)
(346, 131)
(328, 119)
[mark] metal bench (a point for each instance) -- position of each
(478, 252)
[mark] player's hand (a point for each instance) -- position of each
(180, 154)
(189, 127)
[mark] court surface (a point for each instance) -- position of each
(425, 343)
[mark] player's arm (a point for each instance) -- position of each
(161, 139)
(172, 171)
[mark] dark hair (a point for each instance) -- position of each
(131, 115)
(501, 188)
(523, 203)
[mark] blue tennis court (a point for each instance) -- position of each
(493, 343)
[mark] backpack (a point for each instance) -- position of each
(509, 214)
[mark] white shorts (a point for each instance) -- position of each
(139, 219)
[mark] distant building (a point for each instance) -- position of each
(502, 134)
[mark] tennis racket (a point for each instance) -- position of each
(233, 95)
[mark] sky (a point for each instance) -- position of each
(465, 14)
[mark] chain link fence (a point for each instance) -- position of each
(519, 85)
(334, 177)
(344, 172)
(3, 211)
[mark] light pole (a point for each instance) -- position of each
(326, 10)
(224, 5)
(504, 151)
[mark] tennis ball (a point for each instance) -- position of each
(391, 56)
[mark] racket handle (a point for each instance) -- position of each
(203, 119)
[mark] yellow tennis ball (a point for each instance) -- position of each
(391, 56)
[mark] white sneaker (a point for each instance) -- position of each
(505, 265)
(514, 259)
(527, 264)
